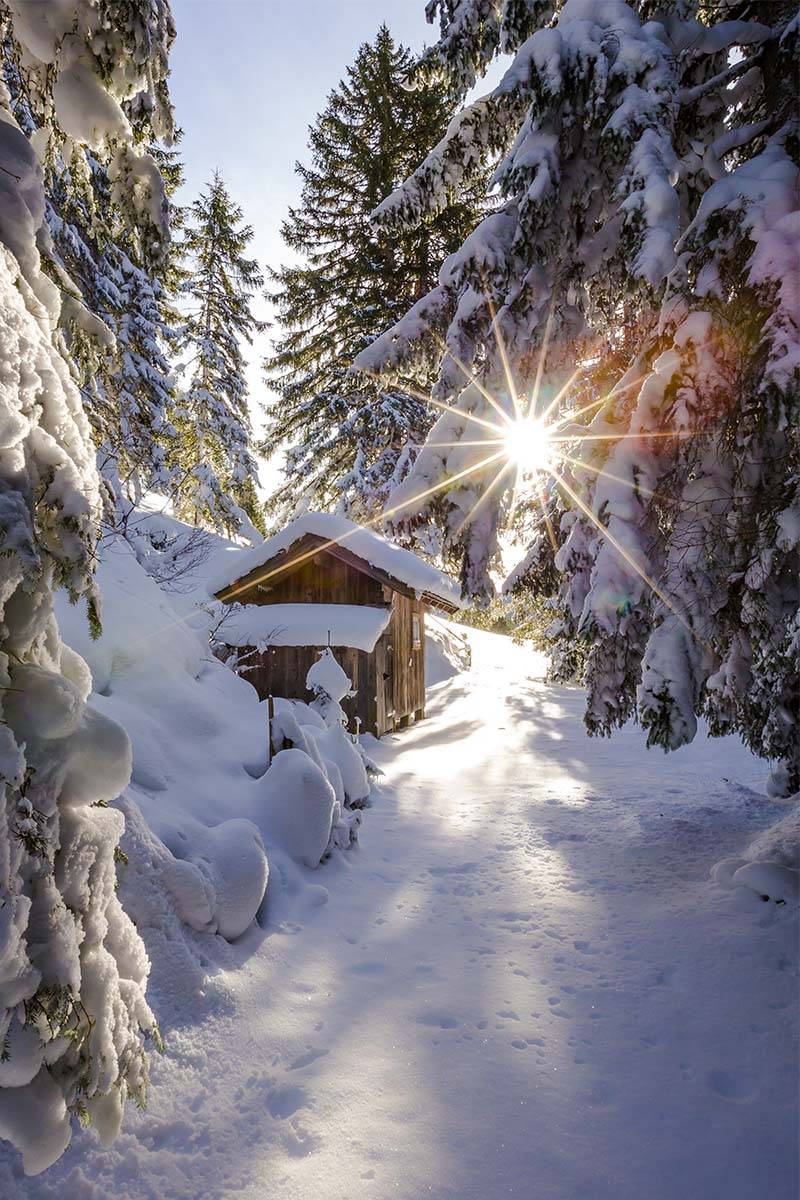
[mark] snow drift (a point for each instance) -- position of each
(201, 771)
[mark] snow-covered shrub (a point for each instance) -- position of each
(329, 685)
(318, 775)
(298, 726)
(299, 805)
(770, 866)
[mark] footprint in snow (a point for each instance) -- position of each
(553, 837)
(305, 1060)
(367, 968)
(463, 869)
(437, 1020)
(284, 1101)
(299, 1141)
(730, 1086)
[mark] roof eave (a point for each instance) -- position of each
(319, 545)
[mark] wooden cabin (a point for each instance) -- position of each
(326, 581)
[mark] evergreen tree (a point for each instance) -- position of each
(72, 1006)
(216, 470)
(127, 383)
(351, 439)
(115, 278)
(649, 220)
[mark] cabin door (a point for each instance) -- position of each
(388, 684)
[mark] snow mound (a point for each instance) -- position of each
(771, 865)
(298, 806)
(218, 875)
(447, 650)
(769, 879)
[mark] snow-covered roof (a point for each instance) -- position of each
(421, 577)
(354, 625)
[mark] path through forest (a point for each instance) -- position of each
(522, 983)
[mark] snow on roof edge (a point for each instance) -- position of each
(357, 626)
(394, 560)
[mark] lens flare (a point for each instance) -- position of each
(527, 444)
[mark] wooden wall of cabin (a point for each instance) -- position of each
(322, 579)
(390, 681)
(399, 664)
(282, 670)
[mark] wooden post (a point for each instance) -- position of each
(270, 716)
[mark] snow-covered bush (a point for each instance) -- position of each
(329, 685)
(770, 866)
(312, 793)
(299, 806)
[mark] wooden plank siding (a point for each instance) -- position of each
(321, 579)
(390, 682)
(282, 670)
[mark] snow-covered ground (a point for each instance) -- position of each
(522, 982)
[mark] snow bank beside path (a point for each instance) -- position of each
(194, 729)
(770, 866)
(213, 811)
(447, 649)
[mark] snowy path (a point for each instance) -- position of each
(522, 984)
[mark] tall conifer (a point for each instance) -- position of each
(648, 222)
(217, 473)
(351, 439)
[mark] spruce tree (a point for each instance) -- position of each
(648, 223)
(126, 382)
(115, 278)
(216, 473)
(351, 439)
(72, 1006)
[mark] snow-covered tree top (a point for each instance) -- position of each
(394, 560)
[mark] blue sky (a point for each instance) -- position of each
(249, 77)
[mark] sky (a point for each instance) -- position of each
(248, 78)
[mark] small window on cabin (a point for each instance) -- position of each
(415, 627)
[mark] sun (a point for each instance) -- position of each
(527, 444)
